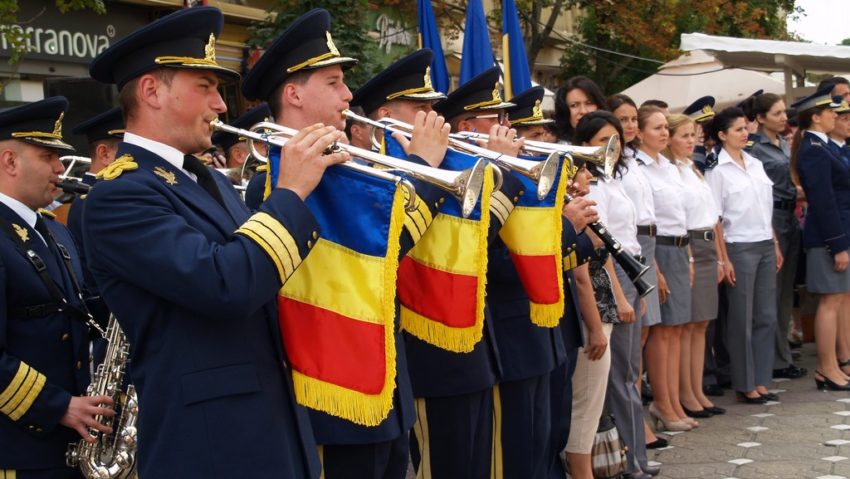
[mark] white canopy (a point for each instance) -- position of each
(770, 55)
(696, 74)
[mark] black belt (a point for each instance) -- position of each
(787, 205)
(678, 241)
(37, 311)
(647, 230)
(705, 235)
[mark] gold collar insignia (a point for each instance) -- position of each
(166, 175)
(22, 232)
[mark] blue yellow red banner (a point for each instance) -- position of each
(532, 234)
(337, 310)
(442, 280)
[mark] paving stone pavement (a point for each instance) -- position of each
(795, 438)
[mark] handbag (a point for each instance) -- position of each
(608, 455)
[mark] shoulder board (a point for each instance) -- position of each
(47, 214)
(117, 168)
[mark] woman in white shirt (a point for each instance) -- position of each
(744, 196)
(617, 213)
(702, 222)
(671, 257)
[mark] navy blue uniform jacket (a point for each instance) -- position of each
(43, 360)
(193, 285)
(825, 178)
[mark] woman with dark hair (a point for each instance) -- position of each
(617, 212)
(743, 193)
(838, 139)
(825, 178)
(768, 111)
(578, 97)
(671, 257)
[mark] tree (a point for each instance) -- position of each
(10, 23)
(845, 42)
(348, 28)
(649, 31)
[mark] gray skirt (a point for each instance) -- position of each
(673, 262)
(821, 277)
(653, 309)
(704, 297)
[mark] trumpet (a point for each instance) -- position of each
(603, 157)
(71, 184)
(543, 172)
(465, 185)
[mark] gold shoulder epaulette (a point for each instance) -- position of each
(49, 214)
(117, 168)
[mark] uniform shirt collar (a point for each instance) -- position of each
(840, 143)
(168, 153)
(29, 216)
(820, 135)
(644, 158)
(724, 157)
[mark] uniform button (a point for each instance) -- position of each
(309, 244)
(30, 427)
(516, 198)
(315, 235)
(38, 429)
(66, 337)
(442, 200)
(521, 192)
(79, 364)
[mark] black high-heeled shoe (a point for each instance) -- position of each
(748, 400)
(826, 383)
(715, 410)
(770, 396)
(658, 443)
(702, 414)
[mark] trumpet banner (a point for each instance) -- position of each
(442, 280)
(337, 310)
(532, 234)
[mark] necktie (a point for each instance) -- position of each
(205, 178)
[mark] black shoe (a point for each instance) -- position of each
(637, 475)
(658, 443)
(712, 390)
(701, 414)
(651, 470)
(770, 397)
(725, 384)
(791, 372)
(715, 410)
(826, 383)
(796, 354)
(748, 400)
(795, 344)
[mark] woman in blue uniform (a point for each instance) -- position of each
(825, 178)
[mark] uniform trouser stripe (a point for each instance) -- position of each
(496, 469)
(422, 440)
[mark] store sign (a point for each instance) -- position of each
(75, 37)
(394, 32)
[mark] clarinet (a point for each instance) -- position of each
(634, 269)
(73, 187)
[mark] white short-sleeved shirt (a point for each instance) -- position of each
(700, 208)
(744, 197)
(638, 189)
(617, 212)
(667, 193)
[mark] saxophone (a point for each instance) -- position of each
(111, 456)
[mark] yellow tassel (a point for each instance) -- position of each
(460, 340)
(354, 406)
(267, 188)
(549, 315)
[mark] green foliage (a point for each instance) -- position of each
(651, 29)
(17, 39)
(348, 28)
(845, 42)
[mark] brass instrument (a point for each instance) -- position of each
(603, 157)
(464, 185)
(543, 172)
(71, 184)
(111, 456)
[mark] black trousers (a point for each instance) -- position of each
(383, 460)
(562, 409)
(453, 436)
(523, 422)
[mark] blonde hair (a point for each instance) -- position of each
(674, 122)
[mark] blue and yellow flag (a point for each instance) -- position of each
(441, 281)
(337, 310)
(477, 53)
(429, 37)
(516, 74)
